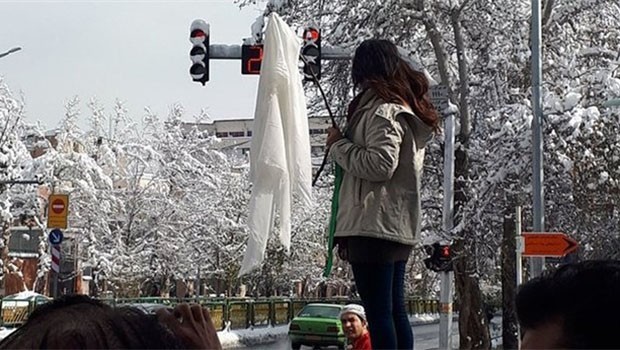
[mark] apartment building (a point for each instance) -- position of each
(235, 134)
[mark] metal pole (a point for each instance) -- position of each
(445, 311)
(56, 274)
(197, 284)
(21, 182)
(55, 286)
(519, 260)
(445, 295)
(15, 49)
(519, 267)
(536, 264)
(233, 52)
(448, 174)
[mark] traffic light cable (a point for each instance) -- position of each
(331, 116)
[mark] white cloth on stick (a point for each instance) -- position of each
(280, 163)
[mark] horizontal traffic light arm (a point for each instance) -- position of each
(233, 52)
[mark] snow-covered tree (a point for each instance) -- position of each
(18, 202)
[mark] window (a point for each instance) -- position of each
(249, 133)
(317, 150)
(236, 134)
(30, 139)
(320, 311)
(318, 131)
(221, 134)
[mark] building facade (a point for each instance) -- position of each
(236, 134)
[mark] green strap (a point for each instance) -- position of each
(332, 221)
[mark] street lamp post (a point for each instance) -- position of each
(15, 49)
(537, 264)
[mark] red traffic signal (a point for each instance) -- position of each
(440, 257)
(197, 34)
(445, 251)
(311, 34)
(199, 54)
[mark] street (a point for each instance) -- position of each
(425, 337)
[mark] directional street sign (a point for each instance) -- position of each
(58, 210)
(548, 244)
(55, 236)
(439, 97)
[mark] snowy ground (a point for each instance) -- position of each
(248, 337)
(5, 331)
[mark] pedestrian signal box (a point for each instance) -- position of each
(440, 257)
(251, 58)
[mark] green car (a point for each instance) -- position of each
(317, 325)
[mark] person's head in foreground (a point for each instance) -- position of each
(80, 322)
(354, 323)
(573, 307)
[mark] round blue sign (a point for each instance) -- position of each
(55, 236)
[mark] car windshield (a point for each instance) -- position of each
(320, 311)
(147, 308)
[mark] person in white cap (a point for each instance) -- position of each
(355, 326)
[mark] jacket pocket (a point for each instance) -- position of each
(357, 191)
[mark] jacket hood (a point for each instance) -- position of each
(422, 132)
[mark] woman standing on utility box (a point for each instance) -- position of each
(381, 157)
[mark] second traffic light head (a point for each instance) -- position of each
(311, 53)
(199, 54)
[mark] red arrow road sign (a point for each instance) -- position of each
(555, 244)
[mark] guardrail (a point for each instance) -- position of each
(237, 313)
(16, 311)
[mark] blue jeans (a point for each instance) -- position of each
(381, 287)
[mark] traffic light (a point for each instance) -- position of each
(440, 257)
(311, 53)
(199, 54)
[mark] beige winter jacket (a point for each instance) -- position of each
(382, 158)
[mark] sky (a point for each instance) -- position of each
(135, 51)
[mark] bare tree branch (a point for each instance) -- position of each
(547, 10)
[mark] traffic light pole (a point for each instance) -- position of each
(15, 49)
(445, 310)
(233, 52)
(445, 294)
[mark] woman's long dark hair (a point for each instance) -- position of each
(378, 65)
